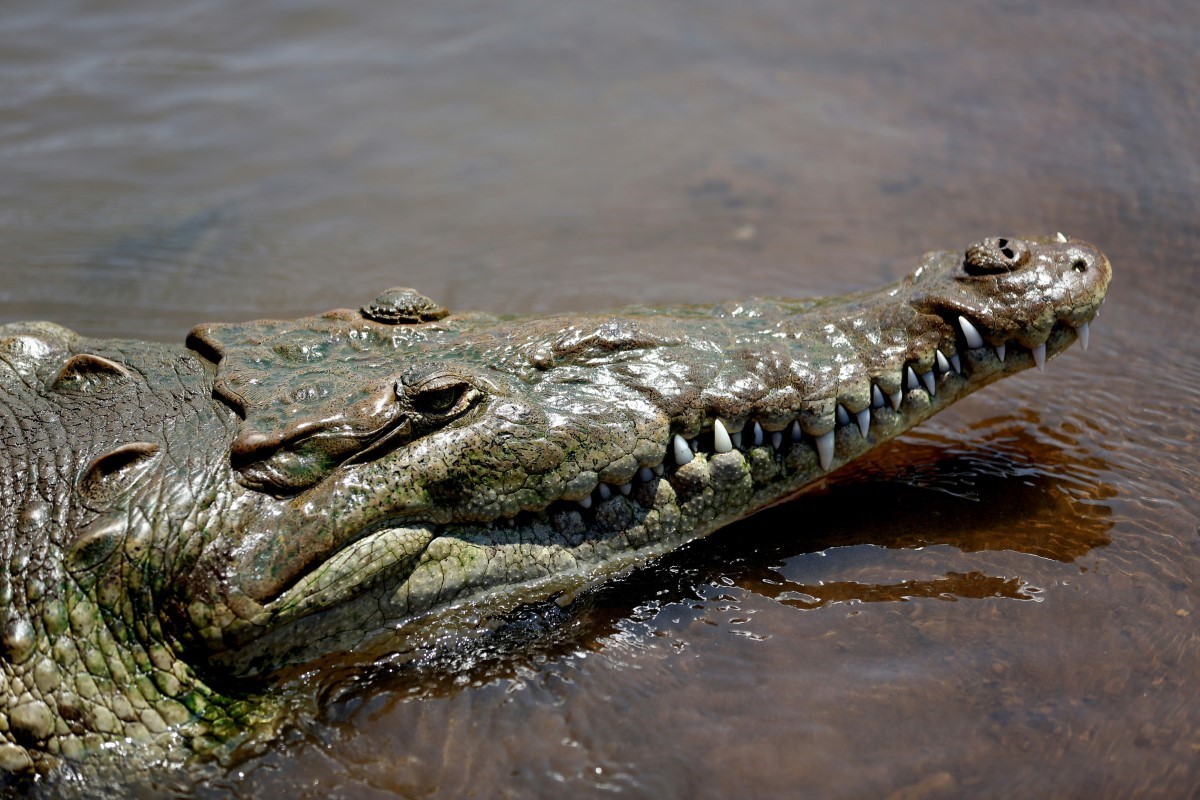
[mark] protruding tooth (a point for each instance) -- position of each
(956, 363)
(586, 502)
(695, 445)
(1082, 331)
(973, 338)
(605, 492)
(736, 438)
(1001, 349)
(1039, 357)
(683, 453)
(721, 442)
(942, 364)
(876, 396)
(796, 433)
(864, 421)
(910, 378)
(659, 469)
(758, 434)
(1060, 237)
(825, 449)
(930, 381)
(645, 474)
(777, 439)
(896, 397)
(625, 488)
(842, 417)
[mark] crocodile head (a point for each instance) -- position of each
(396, 463)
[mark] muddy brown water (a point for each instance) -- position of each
(1003, 603)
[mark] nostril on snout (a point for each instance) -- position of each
(995, 255)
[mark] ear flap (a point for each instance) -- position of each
(84, 371)
(105, 476)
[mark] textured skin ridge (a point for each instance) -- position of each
(179, 518)
(85, 660)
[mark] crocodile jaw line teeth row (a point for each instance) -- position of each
(723, 441)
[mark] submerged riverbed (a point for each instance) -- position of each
(1002, 603)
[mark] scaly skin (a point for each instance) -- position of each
(181, 518)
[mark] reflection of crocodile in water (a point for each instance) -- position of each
(178, 519)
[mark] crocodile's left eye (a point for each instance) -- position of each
(445, 397)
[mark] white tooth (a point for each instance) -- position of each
(659, 469)
(896, 397)
(736, 438)
(942, 364)
(645, 474)
(758, 434)
(842, 417)
(625, 488)
(973, 338)
(825, 449)
(1060, 237)
(586, 502)
(1001, 349)
(911, 379)
(605, 492)
(795, 430)
(954, 362)
(1082, 331)
(683, 453)
(876, 396)
(1039, 357)
(695, 445)
(777, 439)
(721, 441)
(864, 421)
(930, 382)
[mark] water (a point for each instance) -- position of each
(1003, 603)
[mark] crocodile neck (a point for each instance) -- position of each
(84, 658)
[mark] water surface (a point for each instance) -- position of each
(1001, 604)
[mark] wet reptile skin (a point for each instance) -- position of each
(174, 518)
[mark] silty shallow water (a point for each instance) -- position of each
(1002, 603)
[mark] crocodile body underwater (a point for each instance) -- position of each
(178, 518)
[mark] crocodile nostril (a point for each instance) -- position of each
(996, 255)
(1080, 265)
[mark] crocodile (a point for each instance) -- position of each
(179, 522)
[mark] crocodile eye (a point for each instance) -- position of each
(438, 401)
(441, 398)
